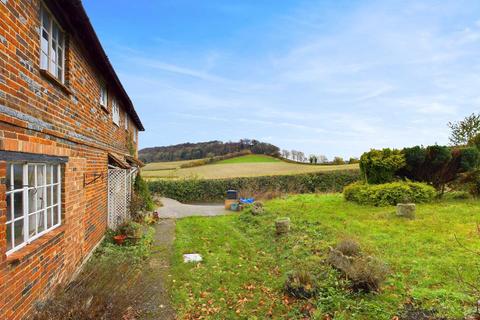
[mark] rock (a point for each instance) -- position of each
(406, 210)
(192, 257)
(282, 225)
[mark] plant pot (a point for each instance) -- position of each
(119, 239)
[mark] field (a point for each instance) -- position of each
(245, 264)
(245, 166)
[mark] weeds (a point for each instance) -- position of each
(109, 287)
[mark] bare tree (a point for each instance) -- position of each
(322, 159)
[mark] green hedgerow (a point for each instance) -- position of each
(389, 193)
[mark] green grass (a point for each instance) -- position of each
(251, 158)
(245, 264)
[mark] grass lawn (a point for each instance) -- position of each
(251, 158)
(245, 264)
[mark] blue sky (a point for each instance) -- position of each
(325, 77)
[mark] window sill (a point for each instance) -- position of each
(104, 108)
(52, 78)
(35, 246)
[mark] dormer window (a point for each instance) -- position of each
(115, 112)
(103, 95)
(52, 46)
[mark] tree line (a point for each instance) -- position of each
(200, 150)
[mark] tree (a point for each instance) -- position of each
(465, 130)
(322, 159)
(313, 159)
(338, 160)
(285, 154)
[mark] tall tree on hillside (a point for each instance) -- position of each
(313, 159)
(301, 156)
(463, 131)
(285, 154)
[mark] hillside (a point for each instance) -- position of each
(244, 166)
(191, 151)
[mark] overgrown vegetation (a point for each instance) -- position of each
(108, 287)
(142, 200)
(192, 190)
(389, 193)
(249, 273)
(435, 165)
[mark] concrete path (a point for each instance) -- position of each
(175, 210)
(156, 273)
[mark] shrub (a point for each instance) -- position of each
(457, 195)
(349, 247)
(141, 199)
(380, 166)
(257, 208)
(190, 190)
(438, 165)
(389, 193)
(300, 284)
(365, 273)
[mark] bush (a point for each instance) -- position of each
(457, 195)
(300, 284)
(389, 193)
(365, 273)
(257, 208)
(191, 190)
(380, 166)
(141, 199)
(349, 247)
(438, 165)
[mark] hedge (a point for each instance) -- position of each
(389, 193)
(202, 190)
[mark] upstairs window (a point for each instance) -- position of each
(115, 112)
(134, 134)
(52, 46)
(103, 95)
(126, 121)
(33, 202)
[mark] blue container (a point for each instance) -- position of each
(234, 207)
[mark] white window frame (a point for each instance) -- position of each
(126, 120)
(135, 134)
(52, 211)
(49, 59)
(115, 112)
(103, 95)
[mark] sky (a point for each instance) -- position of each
(328, 77)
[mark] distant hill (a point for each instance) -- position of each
(191, 151)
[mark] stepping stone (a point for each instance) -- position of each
(192, 257)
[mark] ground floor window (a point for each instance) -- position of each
(33, 202)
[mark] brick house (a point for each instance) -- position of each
(65, 119)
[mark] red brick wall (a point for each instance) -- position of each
(39, 116)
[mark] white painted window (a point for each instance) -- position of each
(52, 46)
(115, 112)
(126, 121)
(103, 95)
(33, 202)
(134, 134)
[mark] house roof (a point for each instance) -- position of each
(73, 17)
